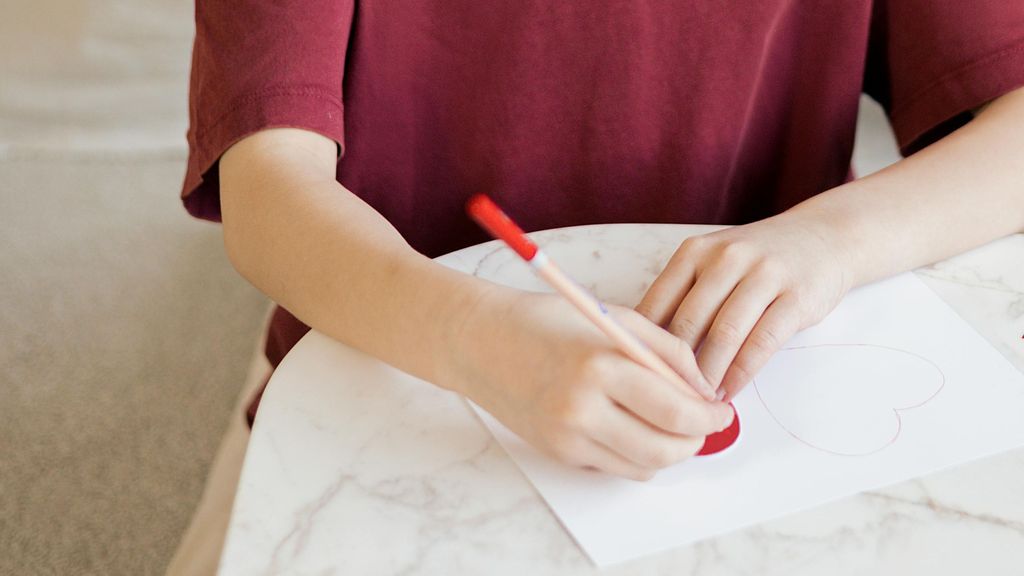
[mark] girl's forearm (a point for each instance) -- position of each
(333, 261)
(961, 192)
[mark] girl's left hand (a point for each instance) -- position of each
(740, 293)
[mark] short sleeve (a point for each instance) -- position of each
(260, 64)
(930, 62)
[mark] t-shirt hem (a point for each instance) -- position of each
(300, 107)
(956, 93)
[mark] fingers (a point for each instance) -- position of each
(700, 305)
(661, 406)
(674, 351)
(666, 293)
(624, 434)
(777, 325)
(606, 460)
(734, 321)
(583, 452)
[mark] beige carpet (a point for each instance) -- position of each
(124, 333)
(125, 338)
(88, 76)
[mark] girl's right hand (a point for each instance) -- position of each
(541, 368)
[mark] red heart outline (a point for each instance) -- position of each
(896, 410)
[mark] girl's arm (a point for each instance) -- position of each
(743, 292)
(293, 231)
(531, 360)
(961, 192)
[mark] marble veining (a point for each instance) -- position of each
(357, 468)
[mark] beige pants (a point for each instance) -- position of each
(198, 553)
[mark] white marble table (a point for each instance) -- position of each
(370, 471)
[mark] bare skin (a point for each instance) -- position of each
(331, 260)
(293, 231)
(741, 293)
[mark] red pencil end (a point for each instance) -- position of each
(491, 218)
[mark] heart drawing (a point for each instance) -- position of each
(846, 399)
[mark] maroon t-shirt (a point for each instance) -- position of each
(688, 111)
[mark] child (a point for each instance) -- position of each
(338, 141)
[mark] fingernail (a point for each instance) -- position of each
(720, 394)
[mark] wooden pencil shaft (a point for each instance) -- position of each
(596, 313)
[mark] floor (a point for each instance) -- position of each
(126, 335)
(124, 332)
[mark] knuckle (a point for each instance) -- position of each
(760, 346)
(802, 301)
(692, 245)
(684, 327)
(770, 269)
(595, 367)
(572, 414)
(680, 349)
(726, 333)
(736, 251)
(568, 410)
(763, 341)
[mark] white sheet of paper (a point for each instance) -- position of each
(891, 386)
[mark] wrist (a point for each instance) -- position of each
(472, 320)
(839, 227)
